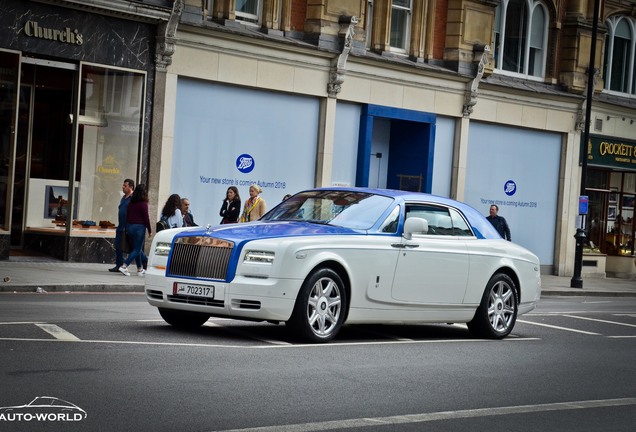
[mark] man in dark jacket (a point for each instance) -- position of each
(188, 219)
(127, 189)
(499, 222)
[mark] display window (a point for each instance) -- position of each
(610, 225)
(79, 133)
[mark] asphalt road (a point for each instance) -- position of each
(568, 366)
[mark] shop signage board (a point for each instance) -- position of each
(611, 152)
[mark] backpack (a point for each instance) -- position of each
(162, 224)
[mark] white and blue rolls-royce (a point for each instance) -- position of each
(330, 256)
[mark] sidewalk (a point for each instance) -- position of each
(21, 275)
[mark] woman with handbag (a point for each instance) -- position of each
(231, 207)
(138, 221)
(255, 206)
(171, 211)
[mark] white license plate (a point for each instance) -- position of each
(194, 290)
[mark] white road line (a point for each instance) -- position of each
(289, 346)
(559, 328)
(442, 415)
(57, 332)
(600, 320)
(622, 337)
(21, 322)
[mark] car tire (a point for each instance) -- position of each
(497, 313)
(320, 307)
(183, 319)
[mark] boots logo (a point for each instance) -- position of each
(43, 409)
(245, 163)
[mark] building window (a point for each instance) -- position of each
(619, 45)
(248, 10)
(521, 37)
(369, 24)
(400, 24)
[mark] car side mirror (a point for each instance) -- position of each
(415, 225)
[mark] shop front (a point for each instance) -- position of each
(73, 125)
(611, 187)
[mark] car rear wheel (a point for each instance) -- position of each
(320, 307)
(497, 312)
(183, 319)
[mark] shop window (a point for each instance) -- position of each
(610, 224)
(9, 77)
(619, 45)
(521, 37)
(109, 139)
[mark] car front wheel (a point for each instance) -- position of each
(497, 312)
(183, 319)
(320, 307)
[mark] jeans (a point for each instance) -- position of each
(119, 254)
(138, 234)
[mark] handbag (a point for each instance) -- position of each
(125, 242)
(162, 224)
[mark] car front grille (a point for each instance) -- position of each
(200, 257)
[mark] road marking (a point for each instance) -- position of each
(600, 320)
(57, 332)
(442, 415)
(559, 328)
(21, 322)
(622, 337)
(288, 346)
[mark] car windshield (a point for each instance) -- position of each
(358, 210)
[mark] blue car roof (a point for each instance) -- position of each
(480, 225)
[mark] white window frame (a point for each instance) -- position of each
(369, 24)
(531, 7)
(612, 24)
(248, 18)
(407, 29)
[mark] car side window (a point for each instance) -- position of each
(390, 225)
(460, 227)
(438, 218)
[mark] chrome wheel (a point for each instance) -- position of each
(497, 313)
(324, 307)
(320, 307)
(501, 306)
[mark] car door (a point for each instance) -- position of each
(433, 267)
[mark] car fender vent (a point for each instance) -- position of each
(246, 304)
(154, 294)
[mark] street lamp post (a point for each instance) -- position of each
(577, 280)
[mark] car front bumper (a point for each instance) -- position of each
(249, 298)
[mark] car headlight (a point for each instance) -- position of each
(162, 248)
(262, 257)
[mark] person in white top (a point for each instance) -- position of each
(171, 211)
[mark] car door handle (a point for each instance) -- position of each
(411, 245)
(398, 245)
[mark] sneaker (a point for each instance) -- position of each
(124, 270)
(141, 272)
(114, 269)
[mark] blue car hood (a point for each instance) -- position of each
(239, 233)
